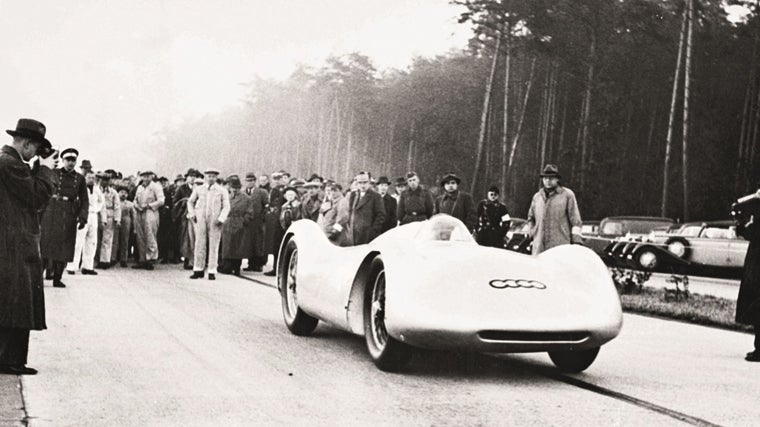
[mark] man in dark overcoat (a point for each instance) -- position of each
(260, 198)
(415, 203)
(389, 202)
(23, 193)
(493, 220)
(366, 212)
(185, 230)
(748, 302)
(455, 202)
(236, 234)
(66, 210)
(274, 230)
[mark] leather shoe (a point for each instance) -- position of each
(271, 273)
(197, 275)
(89, 272)
(148, 266)
(49, 276)
(72, 272)
(123, 264)
(17, 370)
(211, 276)
(58, 284)
(752, 356)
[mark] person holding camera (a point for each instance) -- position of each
(66, 211)
(23, 193)
(747, 214)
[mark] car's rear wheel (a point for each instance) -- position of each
(298, 322)
(387, 353)
(647, 259)
(574, 361)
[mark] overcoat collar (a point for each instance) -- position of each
(7, 149)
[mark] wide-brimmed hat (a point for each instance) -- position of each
(312, 185)
(193, 172)
(400, 181)
(297, 183)
(234, 181)
(251, 175)
(450, 177)
(212, 170)
(179, 177)
(32, 129)
(383, 180)
(70, 152)
(550, 171)
(86, 164)
(315, 176)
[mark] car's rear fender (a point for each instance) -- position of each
(355, 304)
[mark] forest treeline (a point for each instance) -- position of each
(649, 107)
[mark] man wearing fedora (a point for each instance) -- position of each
(23, 192)
(554, 215)
(389, 202)
(149, 196)
(258, 254)
(87, 236)
(455, 202)
(366, 212)
(208, 207)
(66, 210)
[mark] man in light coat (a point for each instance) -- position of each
(112, 223)
(208, 207)
(554, 215)
(87, 237)
(149, 196)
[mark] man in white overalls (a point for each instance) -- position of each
(208, 207)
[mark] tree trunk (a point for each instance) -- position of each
(686, 94)
(561, 143)
(587, 109)
(520, 122)
(484, 115)
(505, 125)
(349, 143)
(410, 153)
(671, 117)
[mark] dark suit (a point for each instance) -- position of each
(366, 216)
(390, 212)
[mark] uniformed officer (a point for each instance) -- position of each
(67, 207)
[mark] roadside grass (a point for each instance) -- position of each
(698, 309)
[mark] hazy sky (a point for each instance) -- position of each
(104, 75)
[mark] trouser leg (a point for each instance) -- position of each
(58, 267)
(90, 244)
(14, 346)
(757, 337)
(201, 240)
(125, 231)
(214, 237)
(78, 248)
(107, 245)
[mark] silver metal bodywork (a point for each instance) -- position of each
(443, 291)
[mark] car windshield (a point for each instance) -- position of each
(444, 228)
(690, 230)
(612, 228)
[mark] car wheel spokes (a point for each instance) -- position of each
(290, 285)
(379, 333)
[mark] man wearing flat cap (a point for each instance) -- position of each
(208, 207)
(455, 202)
(554, 215)
(185, 227)
(66, 211)
(23, 192)
(257, 257)
(415, 203)
(149, 197)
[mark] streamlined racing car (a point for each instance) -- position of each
(429, 285)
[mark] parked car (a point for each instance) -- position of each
(711, 248)
(614, 227)
(590, 228)
(518, 237)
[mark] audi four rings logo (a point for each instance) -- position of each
(519, 283)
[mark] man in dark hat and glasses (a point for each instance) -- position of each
(23, 192)
(554, 215)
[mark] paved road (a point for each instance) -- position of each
(135, 348)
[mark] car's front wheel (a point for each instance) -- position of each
(574, 361)
(387, 353)
(298, 322)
